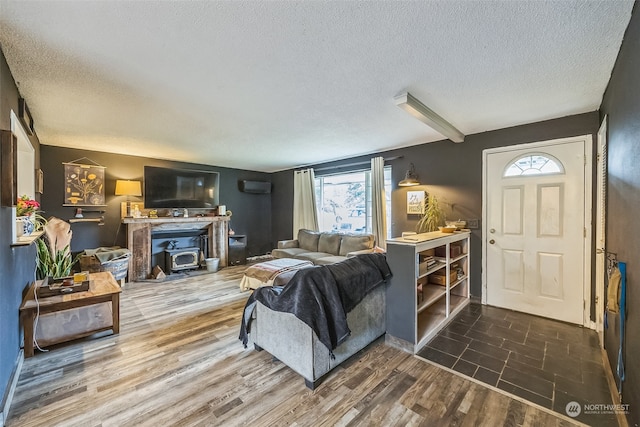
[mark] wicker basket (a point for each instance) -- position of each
(117, 266)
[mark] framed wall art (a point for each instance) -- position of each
(415, 202)
(39, 181)
(83, 184)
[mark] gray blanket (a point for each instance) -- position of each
(322, 296)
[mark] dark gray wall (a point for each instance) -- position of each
(17, 264)
(251, 212)
(452, 172)
(621, 104)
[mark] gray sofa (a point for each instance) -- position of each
(291, 341)
(323, 248)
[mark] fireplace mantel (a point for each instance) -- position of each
(139, 232)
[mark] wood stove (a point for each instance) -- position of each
(182, 259)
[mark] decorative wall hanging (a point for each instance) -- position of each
(83, 184)
(415, 202)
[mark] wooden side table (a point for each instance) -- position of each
(56, 323)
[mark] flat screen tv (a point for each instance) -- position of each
(180, 188)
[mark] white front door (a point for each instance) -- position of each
(535, 228)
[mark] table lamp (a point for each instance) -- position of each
(128, 188)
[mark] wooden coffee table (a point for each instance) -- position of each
(67, 317)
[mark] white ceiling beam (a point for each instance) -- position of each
(417, 109)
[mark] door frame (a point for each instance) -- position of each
(600, 227)
(588, 213)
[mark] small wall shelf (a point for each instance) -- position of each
(27, 240)
(72, 220)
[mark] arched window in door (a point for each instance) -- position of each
(534, 164)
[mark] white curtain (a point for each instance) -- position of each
(305, 214)
(378, 202)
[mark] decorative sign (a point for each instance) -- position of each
(83, 185)
(415, 202)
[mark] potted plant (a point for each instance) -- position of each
(53, 250)
(26, 210)
(53, 265)
(432, 216)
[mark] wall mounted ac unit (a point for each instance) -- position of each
(255, 187)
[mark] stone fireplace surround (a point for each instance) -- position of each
(140, 231)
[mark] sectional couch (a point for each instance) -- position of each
(324, 248)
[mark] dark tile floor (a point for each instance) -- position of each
(541, 360)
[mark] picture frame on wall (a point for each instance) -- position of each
(415, 202)
(39, 181)
(83, 185)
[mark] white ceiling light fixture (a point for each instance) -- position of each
(417, 109)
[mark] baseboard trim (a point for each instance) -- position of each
(13, 383)
(613, 388)
(398, 343)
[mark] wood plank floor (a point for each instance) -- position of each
(178, 362)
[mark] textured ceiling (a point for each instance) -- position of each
(270, 85)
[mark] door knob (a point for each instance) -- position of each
(492, 241)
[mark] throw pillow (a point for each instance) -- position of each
(329, 243)
(308, 240)
(355, 242)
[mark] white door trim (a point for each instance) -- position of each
(588, 205)
(599, 224)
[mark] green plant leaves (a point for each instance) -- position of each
(432, 216)
(53, 266)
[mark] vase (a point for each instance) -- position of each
(24, 226)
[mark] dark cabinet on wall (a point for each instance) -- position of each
(237, 249)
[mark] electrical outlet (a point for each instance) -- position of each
(473, 223)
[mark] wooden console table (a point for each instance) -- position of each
(58, 324)
(139, 232)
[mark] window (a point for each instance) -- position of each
(534, 164)
(344, 201)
